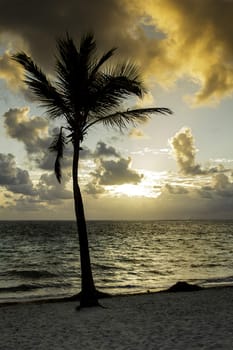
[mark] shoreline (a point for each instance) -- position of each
(75, 298)
(161, 320)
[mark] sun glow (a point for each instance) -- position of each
(149, 187)
(130, 190)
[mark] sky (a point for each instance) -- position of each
(172, 167)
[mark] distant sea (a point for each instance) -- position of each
(40, 259)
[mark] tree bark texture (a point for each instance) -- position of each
(88, 295)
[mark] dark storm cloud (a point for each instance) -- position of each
(169, 39)
(38, 23)
(13, 178)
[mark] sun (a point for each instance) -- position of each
(149, 187)
(131, 190)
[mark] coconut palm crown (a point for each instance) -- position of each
(84, 92)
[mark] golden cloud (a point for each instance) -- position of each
(191, 39)
(11, 72)
(198, 44)
(137, 134)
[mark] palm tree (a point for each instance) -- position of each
(83, 94)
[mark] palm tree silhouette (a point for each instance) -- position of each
(84, 93)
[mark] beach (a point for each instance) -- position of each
(185, 320)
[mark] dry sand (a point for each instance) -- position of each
(187, 320)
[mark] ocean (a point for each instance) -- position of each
(40, 259)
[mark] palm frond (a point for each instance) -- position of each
(85, 92)
(101, 61)
(128, 71)
(73, 69)
(42, 88)
(57, 147)
(110, 88)
(87, 47)
(107, 93)
(123, 119)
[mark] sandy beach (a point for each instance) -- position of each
(185, 320)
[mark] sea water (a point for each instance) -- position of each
(40, 259)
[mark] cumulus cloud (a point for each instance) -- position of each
(222, 185)
(103, 150)
(19, 193)
(169, 39)
(14, 178)
(50, 190)
(184, 150)
(35, 134)
(111, 169)
(94, 189)
(218, 195)
(32, 131)
(116, 172)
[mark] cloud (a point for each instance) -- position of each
(175, 189)
(50, 190)
(184, 150)
(17, 180)
(137, 134)
(222, 185)
(24, 24)
(218, 197)
(35, 134)
(94, 189)
(32, 131)
(111, 169)
(11, 72)
(198, 44)
(13, 178)
(116, 172)
(102, 150)
(169, 39)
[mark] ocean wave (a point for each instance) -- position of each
(218, 281)
(30, 287)
(207, 265)
(37, 258)
(30, 274)
(105, 267)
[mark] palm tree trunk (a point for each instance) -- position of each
(88, 295)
